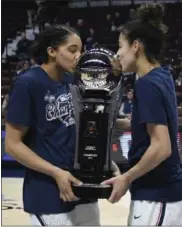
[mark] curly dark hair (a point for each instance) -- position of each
(149, 29)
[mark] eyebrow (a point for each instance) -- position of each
(73, 45)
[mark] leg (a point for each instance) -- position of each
(87, 214)
(34, 220)
(146, 213)
(52, 219)
(173, 214)
(155, 213)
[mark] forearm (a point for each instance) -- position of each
(30, 159)
(121, 110)
(150, 160)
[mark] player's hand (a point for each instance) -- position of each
(64, 180)
(120, 187)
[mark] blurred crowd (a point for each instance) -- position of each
(103, 32)
(89, 35)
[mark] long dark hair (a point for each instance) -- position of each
(50, 37)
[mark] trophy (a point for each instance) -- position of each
(96, 101)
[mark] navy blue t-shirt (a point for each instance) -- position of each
(45, 106)
(155, 102)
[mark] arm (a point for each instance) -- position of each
(123, 123)
(121, 110)
(157, 129)
(160, 145)
(18, 150)
(19, 119)
(158, 151)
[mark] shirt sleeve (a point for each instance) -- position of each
(20, 105)
(151, 106)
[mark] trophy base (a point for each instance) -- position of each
(92, 191)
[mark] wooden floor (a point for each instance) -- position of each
(12, 213)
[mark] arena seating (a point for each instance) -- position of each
(16, 24)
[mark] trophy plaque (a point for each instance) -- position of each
(96, 100)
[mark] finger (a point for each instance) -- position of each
(109, 181)
(113, 197)
(66, 194)
(71, 195)
(116, 194)
(118, 197)
(75, 181)
(68, 198)
(63, 197)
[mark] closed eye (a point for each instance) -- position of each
(74, 48)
